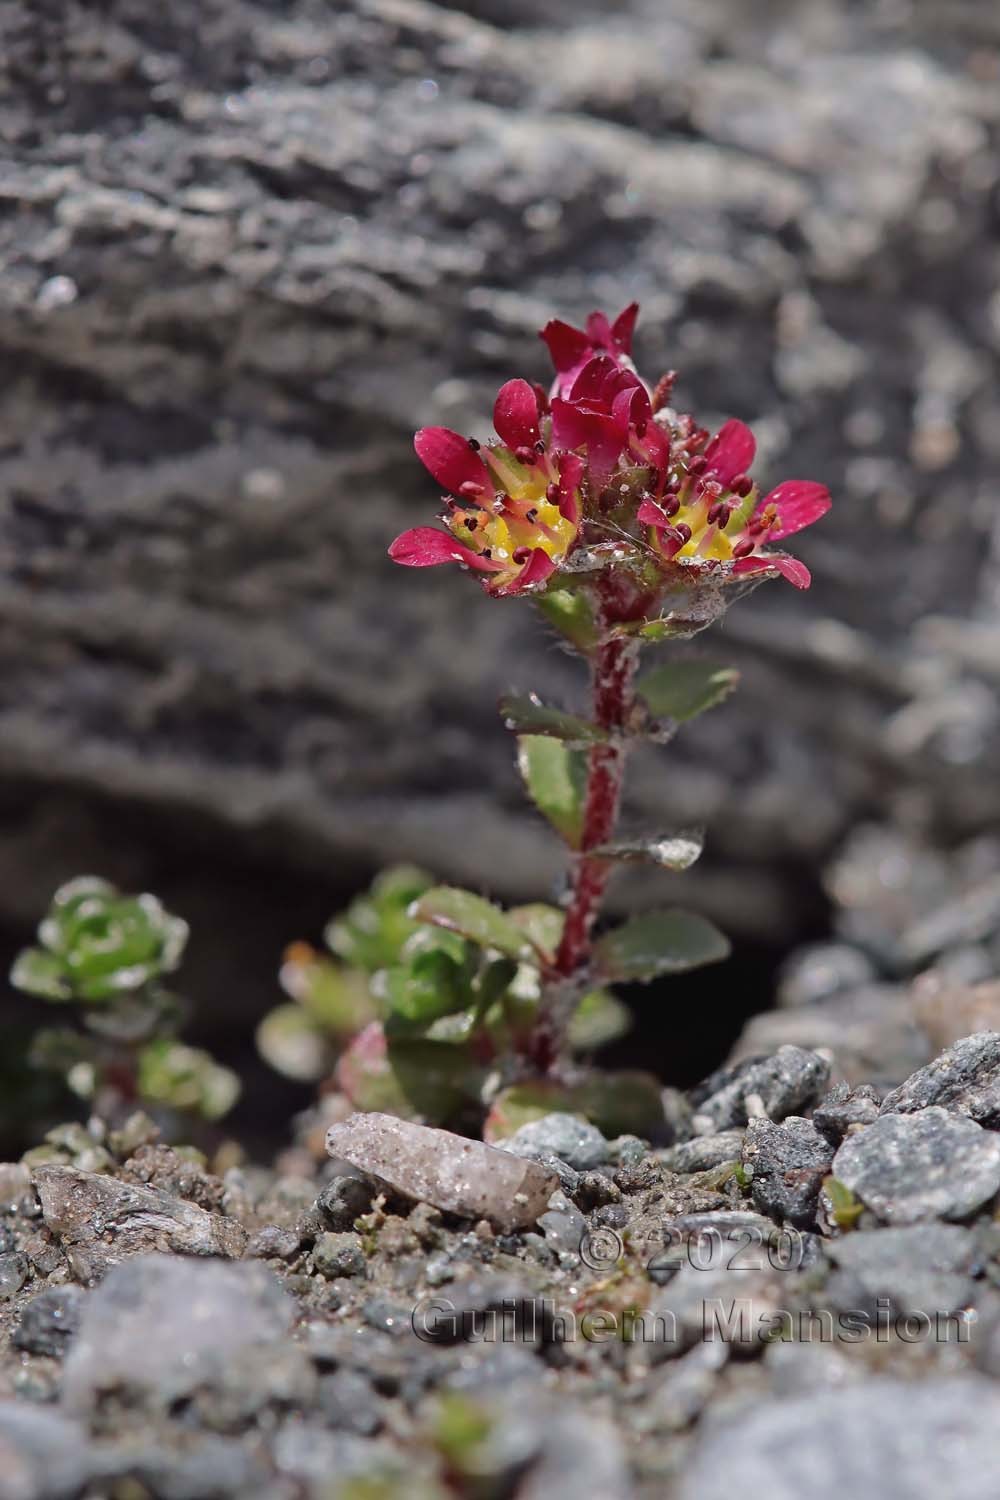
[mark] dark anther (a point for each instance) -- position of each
(683, 530)
(531, 515)
(697, 466)
(520, 554)
(744, 548)
(471, 523)
(552, 494)
(474, 444)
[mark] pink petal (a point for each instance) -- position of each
(623, 328)
(426, 547)
(567, 345)
(596, 381)
(650, 514)
(730, 452)
(538, 567)
(631, 407)
(799, 503)
(653, 446)
(449, 458)
(789, 567)
(515, 415)
(569, 424)
(570, 475)
(599, 330)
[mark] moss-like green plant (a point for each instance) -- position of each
(106, 955)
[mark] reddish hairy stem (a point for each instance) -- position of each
(612, 670)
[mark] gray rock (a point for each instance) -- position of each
(274, 1243)
(165, 1328)
(782, 1084)
(339, 1255)
(386, 1316)
(789, 1161)
(343, 1200)
(582, 1453)
(880, 1439)
(924, 1268)
(824, 969)
(926, 1165)
(575, 1141)
(347, 1401)
(100, 1220)
(43, 1454)
(257, 190)
(201, 1467)
(702, 1152)
(965, 1079)
(871, 1034)
(453, 1173)
(843, 1107)
(13, 1274)
(50, 1321)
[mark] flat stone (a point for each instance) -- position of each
(163, 1328)
(923, 1268)
(702, 1152)
(789, 1161)
(101, 1221)
(576, 1142)
(880, 1439)
(784, 1083)
(455, 1174)
(339, 1255)
(965, 1079)
(925, 1165)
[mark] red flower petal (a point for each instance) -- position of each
(653, 447)
(650, 514)
(623, 328)
(730, 452)
(597, 381)
(538, 567)
(569, 424)
(799, 503)
(599, 330)
(449, 458)
(570, 475)
(789, 567)
(631, 407)
(567, 345)
(426, 547)
(515, 415)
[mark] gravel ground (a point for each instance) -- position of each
(802, 1297)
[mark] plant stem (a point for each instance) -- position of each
(612, 670)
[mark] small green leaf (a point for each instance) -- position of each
(39, 973)
(529, 715)
(556, 779)
(474, 918)
(569, 611)
(336, 998)
(292, 1042)
(543, 924)
(847, 1209)
(419, 994)
(673, 851)
(186, 1078)
(493, 982)
(659, 942)
(373, 929)
(412, 1078)
(600, 1018)
(681, 690)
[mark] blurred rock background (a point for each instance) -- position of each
(247, 247)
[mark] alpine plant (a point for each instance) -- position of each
(628, 522)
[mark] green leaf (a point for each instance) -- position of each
(556, 779)
(600, 1018)
(419, 994)
(337, 999)
(414, 1079)
(569, 611)
(529, 715)
(846, 1208)
(474, 918)
(672, 851)
(39, 973)
(659, 942)
(493, 982)
(371, 932)
(681, 690)
(290, 1039)
(543, 924)
(186, 1078)
(617, 1103)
